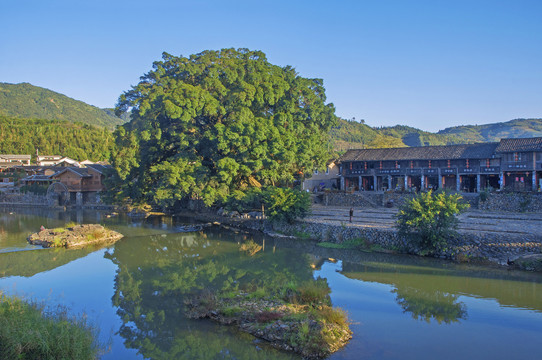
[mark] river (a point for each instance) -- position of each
(401, 307)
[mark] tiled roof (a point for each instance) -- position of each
(83, 172)
(446, 152)
(99, 168)
(522, 144)
(14, 157)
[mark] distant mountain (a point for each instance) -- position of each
(28, 101)
(350, 134)
(517, 128)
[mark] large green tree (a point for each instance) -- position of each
(218, 121)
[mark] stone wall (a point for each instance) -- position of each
(514, 202)
(359, 199)
(28, 199)
(517, 202)
(494, 247)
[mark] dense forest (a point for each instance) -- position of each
(33, 102)
(54, 137)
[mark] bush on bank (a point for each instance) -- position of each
(430, 219)
(280, 204)
(30, 331)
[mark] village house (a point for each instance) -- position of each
(56, 160)
(511, 164)
(83, 184)
(320, 180)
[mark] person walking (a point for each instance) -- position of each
(351, 213)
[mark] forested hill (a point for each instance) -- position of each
(54, 137)
(517, 128)
(349, 134)
(28, 101)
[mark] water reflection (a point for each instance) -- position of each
(155, 274)
(436, 305)
(430, 290)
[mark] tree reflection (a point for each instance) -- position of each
(426, 305)
(156, 273)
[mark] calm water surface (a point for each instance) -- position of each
(402, 307)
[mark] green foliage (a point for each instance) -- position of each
(35, 189)
(283, 204)
(207, 125)
(313, 292)
(349, 244)
(517, 128)
(29, 331)
(280, 204)
(349, 134)
(27, 101)
(54, 137)
(430, 219)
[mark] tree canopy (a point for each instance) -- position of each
(218, 121)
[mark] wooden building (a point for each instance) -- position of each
(512, 164)
(83, 184)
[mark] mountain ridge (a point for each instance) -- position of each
(27, 101)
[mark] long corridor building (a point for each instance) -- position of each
(511, 164)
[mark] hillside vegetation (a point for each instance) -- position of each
(518, 128)
(28, 101)
(350, 134)
(53, 137)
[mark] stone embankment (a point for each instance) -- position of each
(514, 202)
(496, 236)
(499, 237)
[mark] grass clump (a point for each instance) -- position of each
(346, 245)
(29, 331)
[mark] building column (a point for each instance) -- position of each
(406, 182)
(359, 182)
(389, 182)
(534, 180)
(440, 184)
(79, 198)
(457, 182)
(423, 183)
(375, 182)
(501, 180)
(478, 183)
(342, 183)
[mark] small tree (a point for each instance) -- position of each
(430, 219)
(281, 204)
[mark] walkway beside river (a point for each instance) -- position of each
(472, 221)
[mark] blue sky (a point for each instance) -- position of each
(427, 64)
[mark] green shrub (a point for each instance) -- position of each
(280, 204)
(283, 204)
(430, 219)
(29, 331)
(314, 292)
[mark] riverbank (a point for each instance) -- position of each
(483, 236)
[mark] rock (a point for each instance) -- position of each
(76, 236)
(529, 262)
